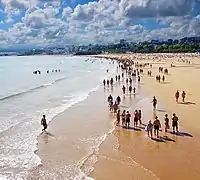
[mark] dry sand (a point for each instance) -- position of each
(174, 157)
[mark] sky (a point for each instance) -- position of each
(34, 23)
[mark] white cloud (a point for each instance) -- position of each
(99, 22)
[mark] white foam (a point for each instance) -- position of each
(24, 158)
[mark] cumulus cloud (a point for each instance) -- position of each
(48, 22)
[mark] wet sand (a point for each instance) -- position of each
(172, 156)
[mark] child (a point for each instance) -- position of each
(149, 129)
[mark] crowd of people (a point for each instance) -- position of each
(124, 117)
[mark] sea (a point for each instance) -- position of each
(25, 97)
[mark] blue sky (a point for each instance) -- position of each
(32, 23)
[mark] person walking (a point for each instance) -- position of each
(44, 123)
(183, 96)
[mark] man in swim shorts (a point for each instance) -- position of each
(44, 123)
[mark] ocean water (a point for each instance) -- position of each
(25, 97)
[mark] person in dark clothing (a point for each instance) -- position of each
(124, 89)
(154, 102)
(44, 123)
(104, 82)
(118, 100)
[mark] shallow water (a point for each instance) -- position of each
(25, 97)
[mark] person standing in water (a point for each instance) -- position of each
(134, 90)
(156, 125)
(116, 78)
(177, 96)
(183, 96)
(154, 102)
(175, 123)
(104, 82)
(111, 81)
(130, 89)
(44, 123)
(124, 89)
(108, 82)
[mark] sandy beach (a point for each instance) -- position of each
(173, 157)
(129, 153)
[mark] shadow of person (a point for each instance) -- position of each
(134, 128)
(46, 138)
(187, 103)
(158, 140)
(49, 134)
(182, 134)
(166, 138)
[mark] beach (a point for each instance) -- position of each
(82, 140)
(124, 152)
(172, 157)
